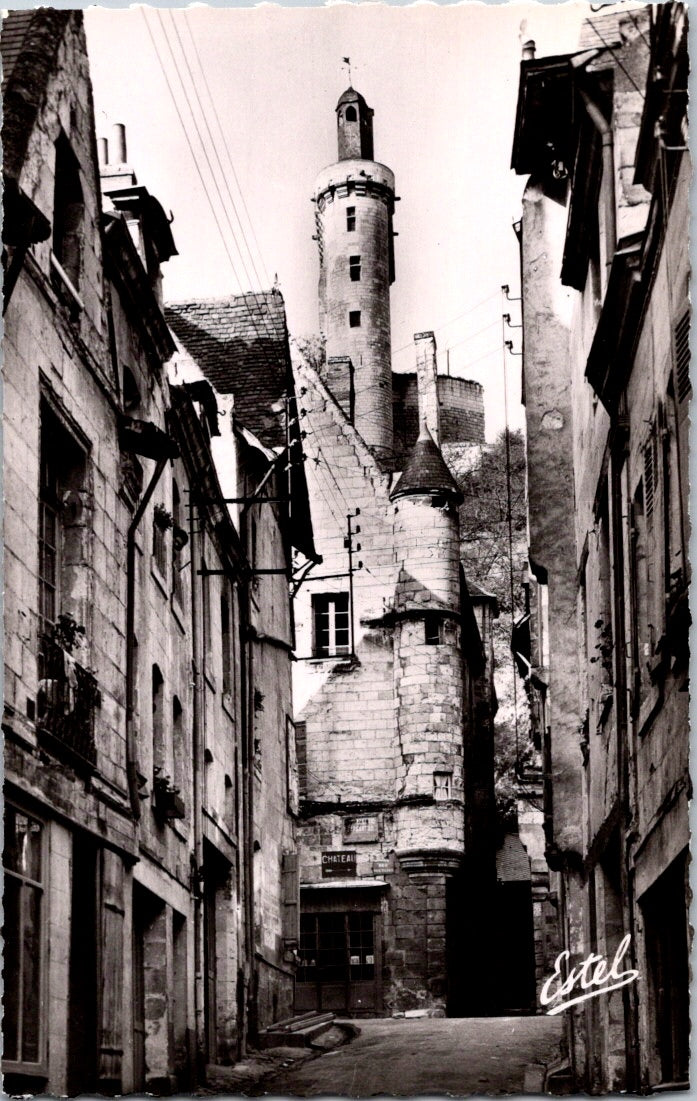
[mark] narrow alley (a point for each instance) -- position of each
(407, 1057)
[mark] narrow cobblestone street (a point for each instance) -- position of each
(407, 1058)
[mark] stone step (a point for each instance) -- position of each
(297, 1032)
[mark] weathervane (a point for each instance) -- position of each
(347, 62)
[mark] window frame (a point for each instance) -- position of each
(354, 319)
(350, 219)
(331, 600)
(355, 268)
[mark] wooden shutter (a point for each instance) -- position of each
(290, 875)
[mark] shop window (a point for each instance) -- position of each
(355, 319)
(355, 268)
(350, 219)
(68, 211)
(23, 863)
(330, 612)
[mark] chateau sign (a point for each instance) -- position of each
(338, 864)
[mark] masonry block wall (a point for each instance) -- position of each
(461, 413)
(355, 311)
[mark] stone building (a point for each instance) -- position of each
(150, 874)
(604, 241)
(393, 654)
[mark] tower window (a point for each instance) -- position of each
(351, 115)
(433, 630)
(350, 218)
(442, 785)
(355, 268)
(330, 613)
(355, 319)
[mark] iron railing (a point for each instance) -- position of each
(66, 702)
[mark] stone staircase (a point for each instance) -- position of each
(298, 1031)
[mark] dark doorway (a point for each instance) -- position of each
(84, 968)
(665, 928)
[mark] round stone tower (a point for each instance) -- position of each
(354, 208)
(428, 679)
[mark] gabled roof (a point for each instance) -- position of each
(426, 472)
(241, 345)
(29, 48)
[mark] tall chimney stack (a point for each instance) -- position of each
(427, 383)
(118, 132)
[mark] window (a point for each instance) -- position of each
(61, 519)
(68, 211)
(433, 628)
(355, 319)
(331, 624)
(159, 547)
(158, 733)
(442, 785)
(226, 645)
(177, 543)
(350, 219)
(178, 746)
(23, 963)
(351, 115)
(355, 268)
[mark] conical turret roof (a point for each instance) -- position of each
(426, 472)
(350, 96)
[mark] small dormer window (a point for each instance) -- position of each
(351, 115)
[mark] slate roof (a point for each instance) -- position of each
(14, 28)
(600, 30)
(512, 861)
(426, 471)
(241, 345)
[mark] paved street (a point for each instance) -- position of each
(405, 1058)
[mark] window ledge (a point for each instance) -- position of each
(178, 613)
(158, 578)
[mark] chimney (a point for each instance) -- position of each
(427, 383)
(103, 151)
(118, 132)
(529, 50)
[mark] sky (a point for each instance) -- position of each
(262, 84)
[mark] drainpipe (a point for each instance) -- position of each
(197, 817)
(131, 770)
(608, 181)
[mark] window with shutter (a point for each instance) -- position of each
(682, 357)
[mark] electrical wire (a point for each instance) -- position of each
(226, 147)
(614, 54)
(445, 324)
